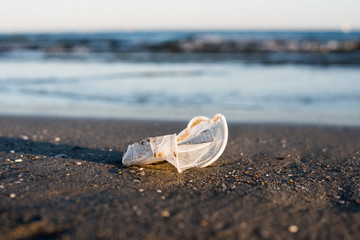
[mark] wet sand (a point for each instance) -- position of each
(63, 179)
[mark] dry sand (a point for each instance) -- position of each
(63, 179)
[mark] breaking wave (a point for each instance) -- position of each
(263, 47)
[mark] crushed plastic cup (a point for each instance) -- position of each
(200, 144)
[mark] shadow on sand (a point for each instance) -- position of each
(31, 148)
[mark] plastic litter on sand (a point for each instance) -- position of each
(200, 144)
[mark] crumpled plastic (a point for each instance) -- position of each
(200, 144)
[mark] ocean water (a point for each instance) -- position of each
(286, 77)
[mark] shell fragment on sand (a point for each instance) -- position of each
(200, 144)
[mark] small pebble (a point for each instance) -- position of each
(24, 137)
(12, 195)
(165, 213)
(203, 223)
(159, 191)
(141, 190)
(243, 225)
(12, 151)
(293, 229)
(18, 160)
(57, 139)
(78, 163)
(2, 187)
(181, 224)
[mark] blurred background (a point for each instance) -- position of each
(254, 61)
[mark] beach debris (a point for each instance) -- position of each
(200, 144)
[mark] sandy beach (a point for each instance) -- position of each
(63, 179)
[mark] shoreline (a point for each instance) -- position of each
(274, 181)
(350, 118)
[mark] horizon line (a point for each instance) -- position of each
(131, 30)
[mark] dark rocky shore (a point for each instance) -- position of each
(63, 179)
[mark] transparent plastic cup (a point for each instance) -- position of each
(200, 144)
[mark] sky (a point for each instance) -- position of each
(103, 15)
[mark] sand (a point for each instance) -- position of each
(63, 179)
